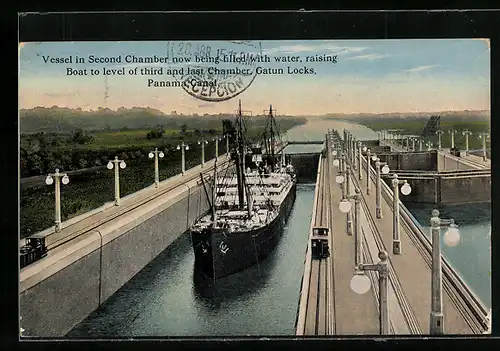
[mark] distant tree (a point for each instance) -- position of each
(80, 137)
(23, 164)
(183, 129)
(228, 128)
(82, 163)
(155, 134)
(35, 163)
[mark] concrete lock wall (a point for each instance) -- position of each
(306, 166)
(61, 290)
(424, 190)
(447, 162)
(468, 189)
(443, 189)
(407, 161)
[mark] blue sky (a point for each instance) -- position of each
(371, 76)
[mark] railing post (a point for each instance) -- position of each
(378, 208)
(360, 161)
(436, 317)
(348, 194)
(396, 242)
(368, 171)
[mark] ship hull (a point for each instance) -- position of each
(220, 253)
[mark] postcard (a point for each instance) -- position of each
(255, 188)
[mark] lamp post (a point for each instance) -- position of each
(368, 171)
(353, 153)
(347, 195)
(373, 158)
(345, 207)
(451, 238)
(439, 133)
(183, 147)
(348, 147)
(360, 168)
(202, 142)
(420, 143)
(59, 177)
(117, 164)
(216, 139)
(336, 161)
(452, 132)
(378, 194)
(343, 162)
(227, 143)
(360, 284)
(156, 154)
(484, 136)
(405, 190)
(466, 133)
(429, 146)
(339, 179)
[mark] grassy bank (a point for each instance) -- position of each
(415, 127)
(86, 192)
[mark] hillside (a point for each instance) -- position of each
(65, 120)
(483, 115)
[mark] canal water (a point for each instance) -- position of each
(169, 298)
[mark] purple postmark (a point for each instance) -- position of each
(218, 71)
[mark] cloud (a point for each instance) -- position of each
(419, 68)
(300, 48)
(367, 57)
(206, 105)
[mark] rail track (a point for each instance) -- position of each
(316, 308)
(73, 231)
(317, 316)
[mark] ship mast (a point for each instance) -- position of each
(270, 138)
(239, 161)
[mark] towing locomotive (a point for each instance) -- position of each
(33, 250)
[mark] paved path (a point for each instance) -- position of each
(83, 223)
(354, 314)
(413, 271)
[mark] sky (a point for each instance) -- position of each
(370, 76)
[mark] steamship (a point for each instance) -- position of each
(249, 205)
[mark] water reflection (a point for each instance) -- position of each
(169, 297)
(471, 258)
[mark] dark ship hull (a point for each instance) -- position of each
(220, 253)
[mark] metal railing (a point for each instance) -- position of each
(465, 300)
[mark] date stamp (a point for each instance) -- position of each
(212, 73)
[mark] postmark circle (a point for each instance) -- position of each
(216, 72)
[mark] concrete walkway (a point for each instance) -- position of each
(77, 225)
(354, 314)
(413, 272)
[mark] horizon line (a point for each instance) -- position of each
(221, 113)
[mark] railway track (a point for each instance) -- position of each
(317, 312)
(463, 298)
(73, 231)
(315, 315)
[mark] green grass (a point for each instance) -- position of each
(89, 191)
